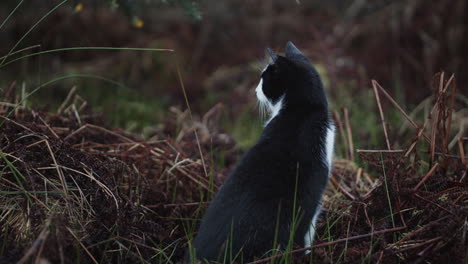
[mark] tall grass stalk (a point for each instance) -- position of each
(388, 194)
(11, 14)
(19, 177)
(31, 29)
(191, 117)
(75, 48)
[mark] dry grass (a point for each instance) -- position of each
(73, 189)
(411, 205)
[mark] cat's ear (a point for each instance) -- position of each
(294, 53)
(291, 50)
(272, 54)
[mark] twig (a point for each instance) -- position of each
(380, 150)
(449, 114)
(48, 127)
(414, 232)
(449, 156)
(420, 132)
(436, 119)
(83, 246)
(11, 105)
(367, 217)
(106, 189)
(435, 204)
(350, 134)
(462, 150)
(424, 179)
(358, 175)
(382, 117)
(449, 190)
(98, 128)
(343, 190)
(193, 179)
(342, 133)
(380, 257)
(175, 205)
(20, 125)
(399, 108)
(464, 174)
(447, 84)
(59, 172)
(73, 107)
(421, 244)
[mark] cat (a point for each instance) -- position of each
(278, 184)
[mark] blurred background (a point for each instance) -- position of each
(218, 51)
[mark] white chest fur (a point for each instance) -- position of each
(273, 109)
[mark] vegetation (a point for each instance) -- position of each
(112, 154)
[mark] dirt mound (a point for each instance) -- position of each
(72, 188)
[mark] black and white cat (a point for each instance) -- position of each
(288, 168)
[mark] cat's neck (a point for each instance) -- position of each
(289, 123)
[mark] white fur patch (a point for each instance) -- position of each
(262, 99)
(275, 109)
(266, 105)
(309, 236)
(329, 145)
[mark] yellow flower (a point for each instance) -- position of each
(78, 7)
(137, 22)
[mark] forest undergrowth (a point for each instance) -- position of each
(77, 188)
(74, 189)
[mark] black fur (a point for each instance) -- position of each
(261, 189)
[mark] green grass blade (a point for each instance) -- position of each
(17, 174)
(31, 29)
(11, 13)
(386, 191)
(75, 48)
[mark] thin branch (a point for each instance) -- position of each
(380, 150)
(98, 128)
(350, 133)
(343, 190)
(382, 117)
(435, 204)
(83, 246)
(424, 179)
(399, 108)
(67, 99)
(342, 133)
(462, 150)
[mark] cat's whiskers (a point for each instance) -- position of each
(263, 103)
(262, 107)
(260, 65)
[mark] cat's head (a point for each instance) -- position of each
(290, 83)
